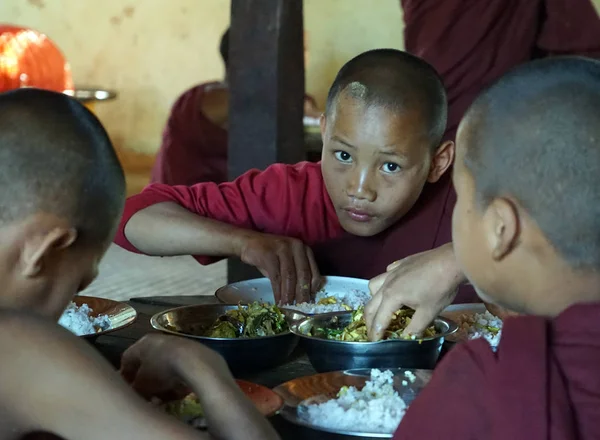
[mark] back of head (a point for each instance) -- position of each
(397, 81)
(535, 136)
(56, 158)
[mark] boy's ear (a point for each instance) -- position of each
(441, 161)
(41, 248)
(502, 228)
(323, 124)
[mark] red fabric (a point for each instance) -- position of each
(542, 383)
(193, 149)
(472, 43)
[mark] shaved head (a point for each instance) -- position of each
(534, 136)
(397, 81)
(55, 157)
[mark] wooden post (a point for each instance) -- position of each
(266, 81)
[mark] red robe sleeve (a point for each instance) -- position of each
(451, 406)
(288, 200)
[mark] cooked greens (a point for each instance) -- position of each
(253, 321)
(185, 409)
(356, 331)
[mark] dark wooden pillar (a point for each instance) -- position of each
(266, 80)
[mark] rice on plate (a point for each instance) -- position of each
(326, 302)
(376, 408)
(79, 321)
(479, 325)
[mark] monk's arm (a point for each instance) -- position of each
(57, 383)
(167, 229)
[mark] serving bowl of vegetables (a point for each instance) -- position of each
(338, 341)
(249, 337)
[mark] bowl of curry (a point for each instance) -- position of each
(249, 337)
(338, 341)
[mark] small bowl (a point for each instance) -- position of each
(328, 355)
(241, 354)
(121, 315)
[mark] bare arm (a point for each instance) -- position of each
(169, 229)
(188, 233)
(57, 383)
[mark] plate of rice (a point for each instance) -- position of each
(360, 403)
(474, 321)
(338, 294)
(90, 317)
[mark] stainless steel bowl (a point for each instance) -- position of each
(327, 355)
(241, 354)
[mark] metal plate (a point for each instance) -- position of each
(326, 385)
(121, 315)
(246, 292)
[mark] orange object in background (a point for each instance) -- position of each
(30, 59)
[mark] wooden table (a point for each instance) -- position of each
(113, 345)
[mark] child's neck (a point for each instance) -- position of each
(559, 291)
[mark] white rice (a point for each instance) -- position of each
(475, 326)
(78, 320)
(377, 408)
(352, 299)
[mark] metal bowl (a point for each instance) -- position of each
(327, 355)
(241, 354)
(121, 315)
(260, 289)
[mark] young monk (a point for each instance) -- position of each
(526, 233)
(382, 143)
(61, 194)
(194, 144)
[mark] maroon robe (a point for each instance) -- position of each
(193, 149)
(542, 383)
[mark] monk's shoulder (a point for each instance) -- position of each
(469, 359)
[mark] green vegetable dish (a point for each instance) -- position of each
(356, 330)
(255, 320)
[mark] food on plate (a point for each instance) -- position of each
(188, 410)
(326, 302)
(356, 331)
(376, 408)
(252, 321)
(478, 325)
(78, 320)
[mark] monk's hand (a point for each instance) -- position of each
(153, 365)
(287, 262)
(426, 282)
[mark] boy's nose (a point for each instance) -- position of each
(361, 186)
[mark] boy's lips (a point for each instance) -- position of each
(359, 215)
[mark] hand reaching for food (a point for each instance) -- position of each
(426, 282)
(153, 366)
(287, 262)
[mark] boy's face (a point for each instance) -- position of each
(375, 163)
(41, 271)
(467, 233)
(482, 236)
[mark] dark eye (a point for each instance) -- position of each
(343, 156)
(391, 167)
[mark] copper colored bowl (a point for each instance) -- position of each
(121, 315)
